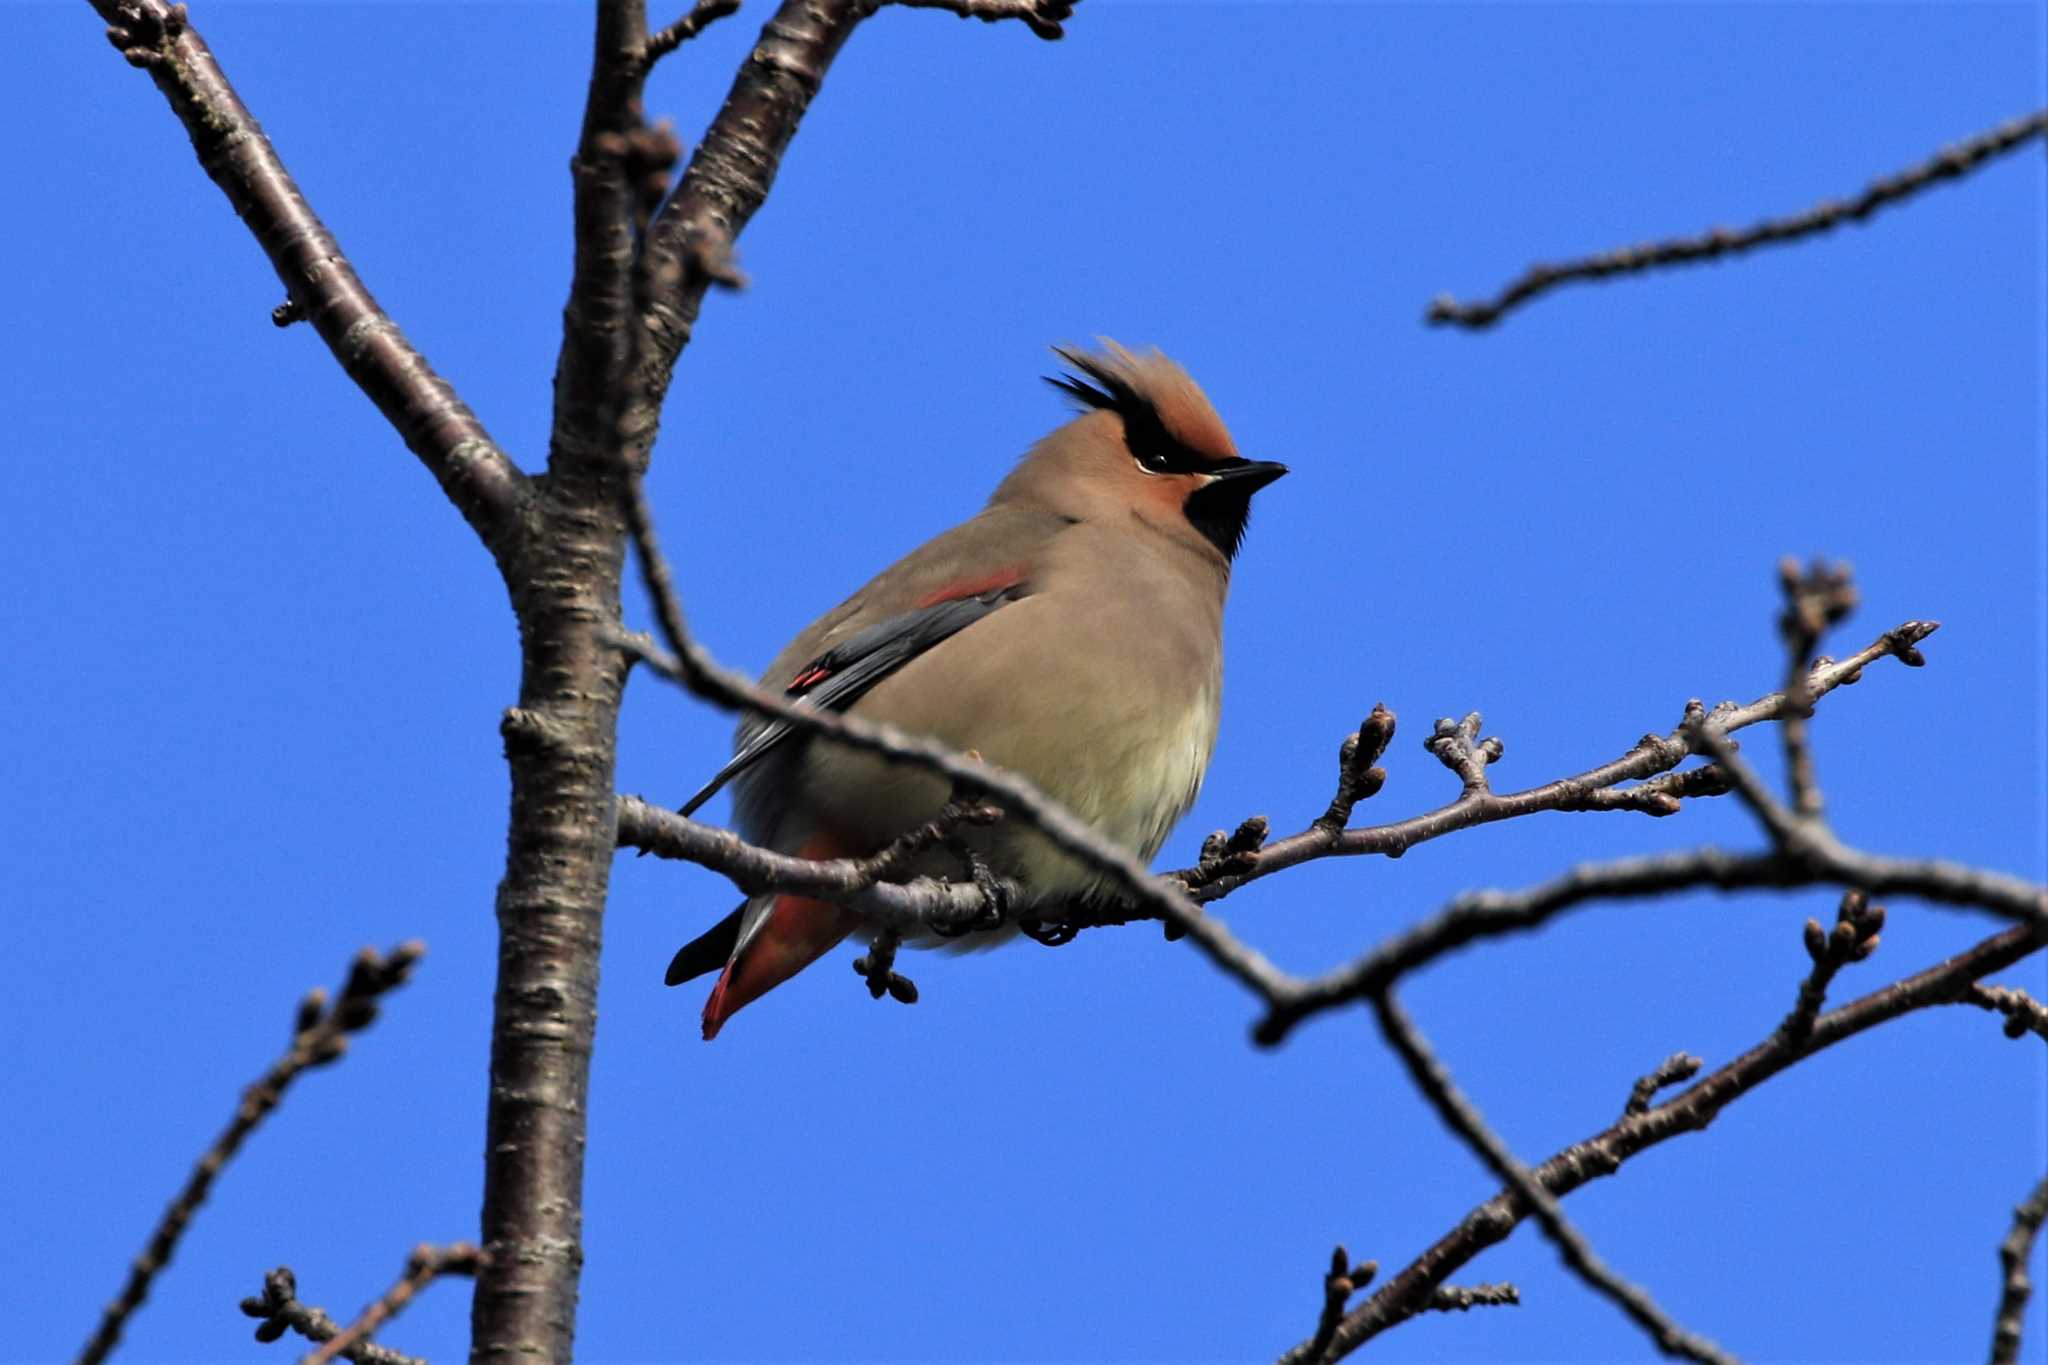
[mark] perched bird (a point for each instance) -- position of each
(1071, 632)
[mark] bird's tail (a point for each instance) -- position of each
(772, 943)
(797, 933)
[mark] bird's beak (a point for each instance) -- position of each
(1249, 476)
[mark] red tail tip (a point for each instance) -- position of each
(715, 1013)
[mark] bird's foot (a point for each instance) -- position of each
(995, 897)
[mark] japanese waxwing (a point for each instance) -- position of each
(1071, 632)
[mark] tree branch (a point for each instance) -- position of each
(1412, 1290)
(1458, 1298)
(1951, 164)
(923, 905)
(731, 171)
(1490, 914)
(1598, 788)
(2023, 1014)
(320, 1033)
(425, 1265)
(280, 1310)
(726, 181)
(1340, 1282)
(435, 424)
(701, 16)
(2014, 1286)
(1463, 1119)
(1679, 1066)
(945, 906)
(1042, 17)
(621, 174)
(1855, 938)
(1815, 600)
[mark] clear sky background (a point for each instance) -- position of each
(254, 665)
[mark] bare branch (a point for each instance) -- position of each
(732, 169)
(1490, 914)
(1791, 833)
(1463, 1119)
(1815, 600)
(1042, 17)
(701, 16)
(2023, 1014)
(726, 182)
(2013, 1255)
(1951, 164)
(945, 908)
(1290, 1000)
(1340, 1282)
(1855, 938)
(1359, 777)
(878, 969)
(425, 1265)
(616, 171)
(1227, 864)
(1455, 1298)
(280, 1310)
(320, 1033)
(435, 424)
(1653, 757)
(1679, 1066)
(1411, 1291)
(1458, 746)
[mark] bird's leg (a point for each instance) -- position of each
(995, 895)
(877, 967)
(991, 887)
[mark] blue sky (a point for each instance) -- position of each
(256, 664)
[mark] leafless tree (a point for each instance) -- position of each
(646, 253)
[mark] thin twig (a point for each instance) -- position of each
(1652, 757)
(1410, 1291)
(877, 967)
(701, 16)
(426, 1264)
(280, 1310)
(1679, 1066)
(1458, 1298)
(1042, 17)
(2013, 1255)
(319, 1036)
(923, 905)
(1854, 938)
(1233, 863)
(1952, 164)
(1340, 1282)
(1815, 599)
(479, 478)
(728, 178)
(1462, 1118)
(2023, 1014)
(1490, 914)
(1358, 775)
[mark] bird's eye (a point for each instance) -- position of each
(1155, 461)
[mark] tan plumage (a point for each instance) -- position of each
(1092, 662)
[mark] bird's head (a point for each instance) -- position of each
(1146, 445)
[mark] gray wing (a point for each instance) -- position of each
(840, 676)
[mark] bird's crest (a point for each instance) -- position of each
(1154, 396)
